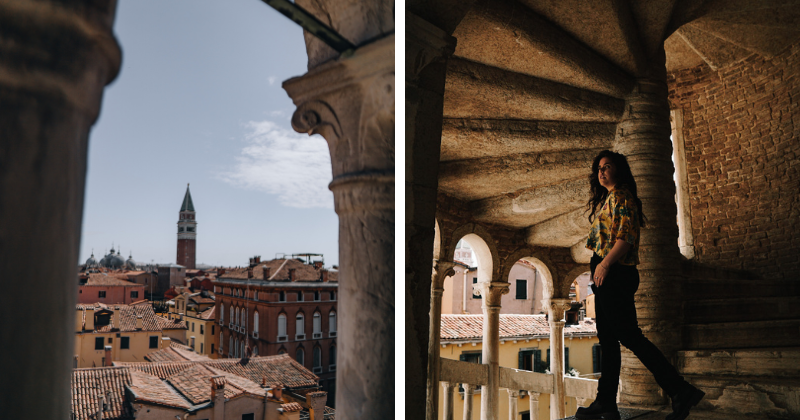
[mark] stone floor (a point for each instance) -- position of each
(661, 413)
(629, 413)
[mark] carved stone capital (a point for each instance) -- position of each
(534, 395)
(469, 389)
(425, 44)
(557, 307)
(441, 270)
(350, 102)
(447, 386)
(491, 292)
(513, 393)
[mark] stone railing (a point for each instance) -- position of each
(581, 389)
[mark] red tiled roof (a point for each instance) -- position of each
(291, 407)
(109, 279)
(209, 313)
(152, 389)
(88, 385)
(127, 317)
(194, 383)
(171, 324)
(201, 299)
(279, 271)
(174, 353)
(279, 368)
(465, 327)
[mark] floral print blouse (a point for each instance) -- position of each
(617, 219)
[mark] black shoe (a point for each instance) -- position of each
(684, 401)
(597, 411)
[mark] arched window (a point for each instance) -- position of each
(333, 295)
(255, 324)
(300, 356)
(316, 295)
(244, 318)
(317, 325)
(282, 351)
(317, 359)
(299, 296)
(237, 316)
(282, 296)
(255, 350)
(332, 356)
(231, 349)
(221, 313)
(300, 329)
(282, 327)
(231, 315)
(220, 342)
(332, 323)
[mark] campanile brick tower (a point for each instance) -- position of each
(187, 232)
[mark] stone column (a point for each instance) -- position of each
(350, 101)
(447, 405)
(490, 394)
(57, 57)
(557, 307)
(427, 50)
(441, 270)
(533, 398)
(468, 392)
(643, 137)
(513, 397)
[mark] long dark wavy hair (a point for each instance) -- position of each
(624, 180)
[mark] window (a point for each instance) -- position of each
(110, 340)
(190, 229)
(333, 295)
(522, 289)
(201, 348)
(316, 295)
(180, 229)
(300, 355)
(255, 324)
(282, 297)
(192, 326)
(212, 348)
(212, 329)
(255, 296)
(317, 359)
(221, 313)
(231, 321)
(191, 344)
(332, 324)
(135, 294)
(299, 296)
(237, 316)
(300, 331)
(231, 349)
(153, 341)
(220, 342)
(597, 357)
(470, 357)
(475, 281)
(332, 356)
(531, 360)
(201, 328)
(101, 294)
(566, 359)
(317, 321)
(255, 350)
(98, 343)
(124, 343)
(249, 416)
(282, 327)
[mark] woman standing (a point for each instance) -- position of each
(616, 216)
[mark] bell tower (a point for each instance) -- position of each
(187, 232)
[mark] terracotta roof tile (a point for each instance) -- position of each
(279, 270)
(465, 327)
(174, 353)
(109, 279)
(194, 383)
(88, 385)
(152, 389)
(208, 314)
(127, 317)
(291, 407)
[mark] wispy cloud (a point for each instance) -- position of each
(295, 167)
(272, 80)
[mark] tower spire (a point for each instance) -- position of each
(187, 201)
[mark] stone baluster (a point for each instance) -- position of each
(469, 391)
(643, 136)
(441, 270)
(427, 50)
(490, 394)
(533, 400)
(447, 407)
(582, 401)
(350, 102)
(557, 307)
(57, 58)
(513, 398)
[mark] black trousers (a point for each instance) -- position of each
(616, 324)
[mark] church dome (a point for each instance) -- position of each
(112, 260)
(130, 263)
(91, 262)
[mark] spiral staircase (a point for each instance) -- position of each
(536, 89)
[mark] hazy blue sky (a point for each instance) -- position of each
(199, 100)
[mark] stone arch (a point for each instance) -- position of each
(484, 247)
(542, 263)
(570, 278)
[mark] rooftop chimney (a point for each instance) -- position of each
(220, 272)
(218, 395)
(165, 342)
(316, 404)
(291, 274)
(107, 359)
(317, 264)
(250, 272)
(266, 272)
(139, 322)
(115, 319)
(277, 391)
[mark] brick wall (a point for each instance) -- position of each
(742, 138)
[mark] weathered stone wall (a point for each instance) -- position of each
(742, 137)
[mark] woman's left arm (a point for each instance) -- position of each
(617, 251)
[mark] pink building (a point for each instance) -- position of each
(109, 288)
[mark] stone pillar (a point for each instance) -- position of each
(513, 398)
(557, 307)
(441, 270)
(643, 137)
(490, 394)
(447, 406)
(533, 398)
(469, 390)
(57, 57)
(427, 50)
(350, 102)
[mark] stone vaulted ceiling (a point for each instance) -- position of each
(536, 89)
